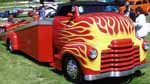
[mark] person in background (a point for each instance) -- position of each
(140, 23)
(11, 18)
(36, 17)
(42, 13)
(129, 12)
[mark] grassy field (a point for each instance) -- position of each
(148, 18)
(18, 69)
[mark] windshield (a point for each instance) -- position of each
(92, 9)
(85, 8)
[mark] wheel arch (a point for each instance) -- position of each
(12, 36)
(80, 77)
(67, 55)
(78, 50)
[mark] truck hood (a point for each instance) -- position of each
(99, 31)
(104, 27)
(110, 23)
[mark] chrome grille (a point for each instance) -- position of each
(122, 55)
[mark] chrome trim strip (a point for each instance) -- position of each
(34, 23)
(40, 22)
(113, 74)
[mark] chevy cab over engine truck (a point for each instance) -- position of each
(86, 40)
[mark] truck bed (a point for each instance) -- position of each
(35, 39)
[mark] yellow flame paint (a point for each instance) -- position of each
(101, 40)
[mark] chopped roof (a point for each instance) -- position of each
(87, 3)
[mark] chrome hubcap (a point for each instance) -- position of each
(72, 69)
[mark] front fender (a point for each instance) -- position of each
(78, 50)
(81, 52)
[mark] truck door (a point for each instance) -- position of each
(61, 15)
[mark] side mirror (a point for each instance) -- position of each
(76, 12)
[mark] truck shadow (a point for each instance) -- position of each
(45, 64)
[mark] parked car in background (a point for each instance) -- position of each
(50, 10)
(14, 11)
(144, 4)
(4, 14)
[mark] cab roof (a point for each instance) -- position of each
(78, 3)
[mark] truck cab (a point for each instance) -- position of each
(98, 40)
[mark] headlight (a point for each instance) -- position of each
(93, 54)
(146, 46)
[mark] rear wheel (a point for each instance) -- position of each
(72, 70)
(9, 46)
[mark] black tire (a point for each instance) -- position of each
(72, 70)
(9, 46)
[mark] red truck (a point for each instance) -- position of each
(86, 40)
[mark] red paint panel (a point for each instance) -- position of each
(45, 48)
(26, 39)
(37, 42)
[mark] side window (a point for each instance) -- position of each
(63, 11)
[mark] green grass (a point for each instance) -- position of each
(148, 18)
(18, 69)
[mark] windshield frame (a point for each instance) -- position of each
(68, 7)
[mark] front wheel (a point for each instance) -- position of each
(72, 70)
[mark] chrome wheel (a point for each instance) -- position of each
(72, 69)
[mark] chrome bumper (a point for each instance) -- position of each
(113, 74)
